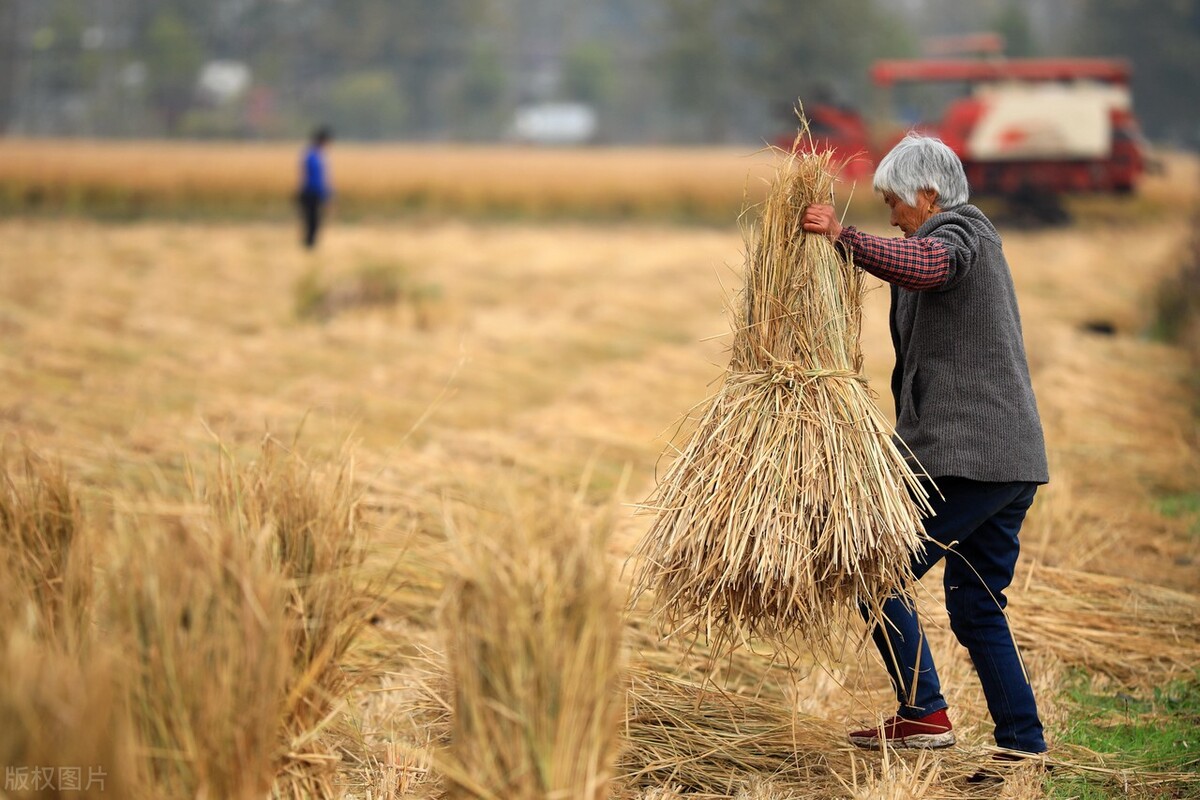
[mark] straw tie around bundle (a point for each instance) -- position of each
(791, 373)
(791, 506)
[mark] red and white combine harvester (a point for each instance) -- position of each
(1030, 130)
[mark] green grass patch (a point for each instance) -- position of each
(1154, 730)
(372, 284)
(1182, 505)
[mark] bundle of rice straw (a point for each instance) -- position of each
(534, 645)
(791, 505)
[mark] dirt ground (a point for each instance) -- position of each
(551, 351)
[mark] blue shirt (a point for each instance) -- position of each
(313, 170)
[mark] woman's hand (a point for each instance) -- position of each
(822, 219)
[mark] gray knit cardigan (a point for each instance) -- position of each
(964, 401)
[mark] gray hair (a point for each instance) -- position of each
(922, 162)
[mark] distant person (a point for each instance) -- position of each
(314, 185)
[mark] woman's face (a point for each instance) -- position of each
(908, 218)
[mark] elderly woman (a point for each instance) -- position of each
(965, 408)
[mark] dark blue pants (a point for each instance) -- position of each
(312, 206)
(975, 527)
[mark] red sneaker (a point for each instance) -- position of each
(927, 733)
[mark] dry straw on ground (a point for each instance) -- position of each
(1111, 626)
(790, 506)
(534, 646)
(711, 743)
(741, 745)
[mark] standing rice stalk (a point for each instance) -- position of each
(534, 646)
(791, 506)
(43, 551)
(199, 613)
(64, 728)
(311, 524)
(65, 731)
(236, 618)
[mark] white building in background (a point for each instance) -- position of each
(223, 81)
(554, 124)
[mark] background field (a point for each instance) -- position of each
(459, 354)
(131, 179)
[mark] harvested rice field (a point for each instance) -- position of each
(496, 399)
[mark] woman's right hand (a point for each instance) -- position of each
(820, 218)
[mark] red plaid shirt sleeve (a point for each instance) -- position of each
(916, 264)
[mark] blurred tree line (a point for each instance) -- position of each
(653, 70)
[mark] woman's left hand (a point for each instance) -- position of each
(822, 219)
